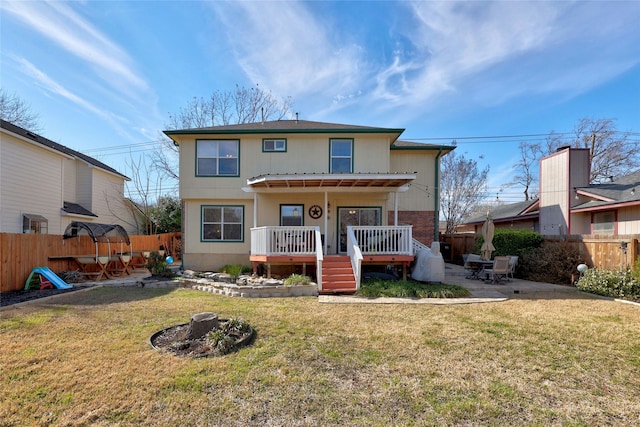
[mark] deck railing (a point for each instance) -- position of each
(384, 239)
(283, 240)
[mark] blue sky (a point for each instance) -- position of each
(104, 75)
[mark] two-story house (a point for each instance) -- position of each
(299, 192)
(44, 186)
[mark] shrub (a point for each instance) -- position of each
(512, 241)
(610, 283)
(553, 262)
(233, 270)
(636, 269)
(409, 289)
(297, 280)
(157, 265)
(221, 342)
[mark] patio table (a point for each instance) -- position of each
(86, 262)
(477, 267)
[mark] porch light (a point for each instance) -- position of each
(633, 191)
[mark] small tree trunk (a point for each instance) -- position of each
(202, 323)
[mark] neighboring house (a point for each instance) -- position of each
(509, 215)
(568, 204)
(44, 186)
(297, 192)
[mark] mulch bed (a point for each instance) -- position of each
(16, 297)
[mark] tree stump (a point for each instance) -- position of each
(201, 324)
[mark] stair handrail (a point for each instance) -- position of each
(355, 254)
(319, 257)
(417, 245)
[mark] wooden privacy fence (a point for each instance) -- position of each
(606, 252)
(459, 244)
(20, 253)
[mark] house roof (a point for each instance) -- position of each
(57, 147)
(76, 209)
(283, 127)
(508, 212)
(410, 145)
(325, 181)
(625, 191)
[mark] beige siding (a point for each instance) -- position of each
(305, 154)
(70, 180)
(629, 220)
(31, 182)
(421, 195)
(108, 200)
(84, 185)
(38, 180)
(560, 174)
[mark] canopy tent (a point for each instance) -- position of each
(100, 233)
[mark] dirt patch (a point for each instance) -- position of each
(231, 335)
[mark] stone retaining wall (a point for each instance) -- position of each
(249, 287)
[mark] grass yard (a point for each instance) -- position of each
(84, 359)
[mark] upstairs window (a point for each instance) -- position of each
(341, 152)
(36, 224)
(217, 157)
(274, 145)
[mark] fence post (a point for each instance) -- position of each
(633, 252)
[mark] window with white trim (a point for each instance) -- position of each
(274, 145)
(341, 152)
(222, 223)
(36, 224)
(217, 157)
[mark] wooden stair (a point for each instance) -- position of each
(337, 275)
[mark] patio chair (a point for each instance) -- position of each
(470, 264)
(500, 269)
(513, 262)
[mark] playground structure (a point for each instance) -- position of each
(115, 262)
(43, 278)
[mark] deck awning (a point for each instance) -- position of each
(359, 182)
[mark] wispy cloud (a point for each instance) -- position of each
(119, 123)
(513, 48)
(283, 45)
(481, 52)
(58, 22)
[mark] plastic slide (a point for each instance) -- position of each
(49, 275)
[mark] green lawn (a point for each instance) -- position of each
(558, 359)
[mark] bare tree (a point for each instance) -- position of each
(143, 191)
(240, 105)
(16, 111)
(462, 186)
(526, 167)
(612, 154)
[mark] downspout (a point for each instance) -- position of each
(436, 213)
